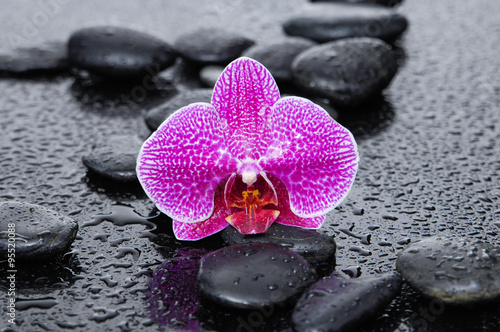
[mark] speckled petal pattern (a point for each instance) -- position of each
(216, 223)
(287, 217)
(198, 230)
(243, 97)
(182, 163)
(314, 156)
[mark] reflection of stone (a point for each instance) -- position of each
(41, 276)
(120, 98)
(368, 120)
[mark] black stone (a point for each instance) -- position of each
(254, 275)
(155, 117)
(212, 46)
(388, 3)
(454, 271)
(48, 58)
(336, 304)
(349, 72)
(40, 233)
(210, 74)
(119, 53)
(115, 158)
(327, 22)
(313, 246)
(278, 57)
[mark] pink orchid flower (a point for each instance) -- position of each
(250, 158)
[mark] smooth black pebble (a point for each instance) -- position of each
(119, 53)
(254, 276)
(48, 58)
(115, 158)
(278, 57)
(155, 117)
(348, 72)
(40, 233)
(326, 22)
(313, 246)
(337, 304)
(210, 74)
(212, 46)
(454, 271)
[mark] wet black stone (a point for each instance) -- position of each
(313, 246)
(253, 275)
(210, 74)
(155, 117)
(115, 158)
(327, 22)
(48, 58)
(40, 233)
(336, 304)
(454, 271)
(278, 57)
(212, 46)
(389, 3)
(349, 72)
(119, 53)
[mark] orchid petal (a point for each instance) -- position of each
(196, 231)
(287, 217)
(216, 223)
(183, 162)
(314, 156)
(243, 97)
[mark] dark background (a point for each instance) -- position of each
(429, 155)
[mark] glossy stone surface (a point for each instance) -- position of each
(40, 233)
(210, 74)
(155, 117)
(278, 57)
(253, 275)
(48, 58)
(212, 45)
(115, 158)
(454, 271)
(336, 304)
(325, 22)
(119, 53)
(349, 72)
(313, 246)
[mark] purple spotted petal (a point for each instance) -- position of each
(314, 156)
(243, 97)
(198, 230)
(183, 162)
(216, 223)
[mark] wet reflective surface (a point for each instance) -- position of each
(429, 158)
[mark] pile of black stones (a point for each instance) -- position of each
(337, 53)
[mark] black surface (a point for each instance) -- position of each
(431, 166)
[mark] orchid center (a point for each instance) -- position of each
(257, 203)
